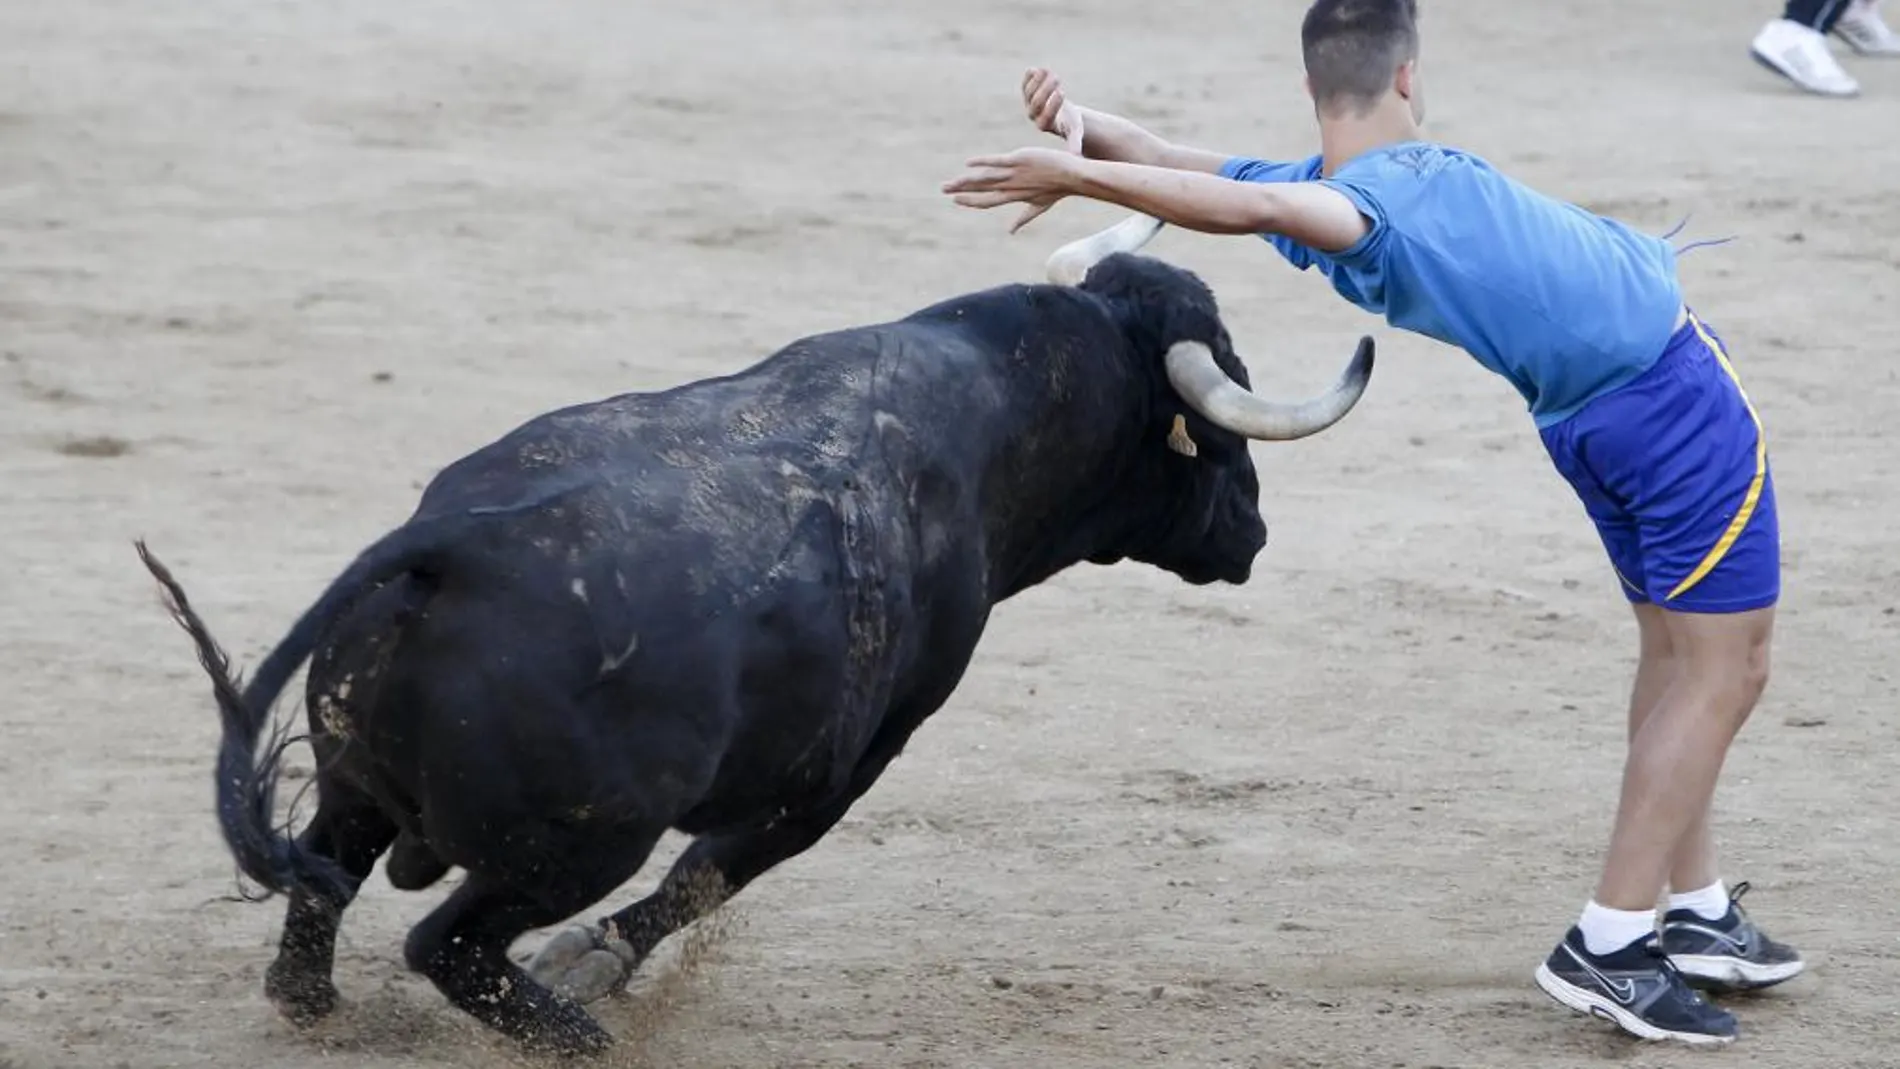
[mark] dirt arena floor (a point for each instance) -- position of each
(264, 267)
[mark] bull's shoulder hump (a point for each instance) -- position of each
(999, 316)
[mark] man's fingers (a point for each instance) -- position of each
(1005, 162)
(1029, 213)
(1052, 111)
(976, 184)
(1045, 111)
(976, 180)
(1045, 101)
(1055, 100)
(1036, 81)
(984, 199)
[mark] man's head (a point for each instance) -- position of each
(1360, 54)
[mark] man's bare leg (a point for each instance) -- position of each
(1677, 753)
(1693, 866)
(1705, 934)
(1697, 681)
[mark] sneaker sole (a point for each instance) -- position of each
(1798, 83)
(1576, 998)
(1722, 972)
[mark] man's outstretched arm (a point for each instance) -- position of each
(1309, 213)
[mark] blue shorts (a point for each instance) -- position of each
(1673, 468)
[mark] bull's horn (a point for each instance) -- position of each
(1205, 387)
(1071, 263)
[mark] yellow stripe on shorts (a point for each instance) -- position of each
(1750, 499)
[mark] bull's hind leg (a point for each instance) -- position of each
(462, 947)
(349, 828)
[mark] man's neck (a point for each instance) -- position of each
(1345, 137)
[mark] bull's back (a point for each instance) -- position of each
(816, 404)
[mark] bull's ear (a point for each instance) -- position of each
(1178, 439)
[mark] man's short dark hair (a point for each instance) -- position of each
(1352, 47)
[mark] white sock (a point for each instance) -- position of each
(1606, 930)
(1710, 903)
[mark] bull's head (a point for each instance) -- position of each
(1213, 529)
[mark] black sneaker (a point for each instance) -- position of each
(1636, 989)
(1731, 954)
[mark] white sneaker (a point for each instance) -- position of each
(1800, 54)
(1865, 32)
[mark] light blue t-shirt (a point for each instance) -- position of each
(1565, 304)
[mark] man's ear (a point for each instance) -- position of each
(1403, 80)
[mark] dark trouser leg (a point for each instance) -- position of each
(1819, 14)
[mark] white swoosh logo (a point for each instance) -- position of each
(1623, 991)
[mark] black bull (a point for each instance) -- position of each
(723, 609)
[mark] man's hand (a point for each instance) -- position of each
(1050, 110)
(1038, 177)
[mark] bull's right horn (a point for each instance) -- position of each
(1071, 263)
(1208, 390)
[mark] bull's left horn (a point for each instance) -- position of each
(1205, 387)
(1071, 263)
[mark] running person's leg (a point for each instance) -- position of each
(1817, 15)
(1795, 46)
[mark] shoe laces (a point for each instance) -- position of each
(1678, 985)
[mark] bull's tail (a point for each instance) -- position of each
(247, 779)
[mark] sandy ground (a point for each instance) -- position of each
(265, 267)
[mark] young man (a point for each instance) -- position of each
(1795, 45)
(1634, 397)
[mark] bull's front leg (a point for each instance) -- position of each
(589, 963)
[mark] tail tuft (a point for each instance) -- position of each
(246, 784)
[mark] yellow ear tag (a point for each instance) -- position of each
(1178, 439)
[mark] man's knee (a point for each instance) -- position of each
(1753, 676)
(1755, 670)
(1726, 653)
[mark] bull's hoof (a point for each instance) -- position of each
(571, 1033)
(303, 998)
(581, 964)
